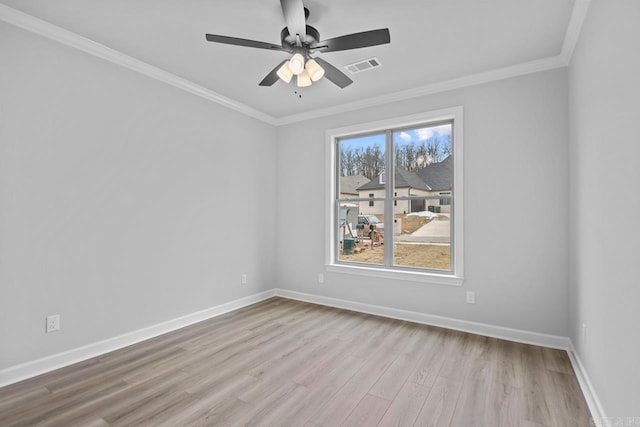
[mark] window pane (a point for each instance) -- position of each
(361, 168)
(424, 163)
(424, 176)
(418, 147)
(423, 239)
(394, 209)
(360, 235)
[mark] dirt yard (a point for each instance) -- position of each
(409, 223)
(436, 257)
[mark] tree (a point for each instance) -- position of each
(370, 161)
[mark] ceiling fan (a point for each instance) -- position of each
(302, 40)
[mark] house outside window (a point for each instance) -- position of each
(446, 200)
(414, 162)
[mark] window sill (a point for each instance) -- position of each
(385, 273)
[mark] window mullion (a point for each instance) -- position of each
(388, 203)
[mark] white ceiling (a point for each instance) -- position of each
(432, 41)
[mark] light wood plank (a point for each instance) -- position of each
(85, 408)
(438, 408)
(253, 411)
(394, 378)
(557, 360)
(97, 423)
(217, 403)
(369, 412)
(455, 359)
(537, 383)
(406, 406)
(282, 362)
(433, 358)
(289, 366)
(323, 390)
(338, 408)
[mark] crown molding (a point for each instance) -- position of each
(578, 15)
(76, 41)
(444, 86)
(53, 32)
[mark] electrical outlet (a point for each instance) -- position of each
(53, 323)
(320, 278)
(244, 279)
(471, 297)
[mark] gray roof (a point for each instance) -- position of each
(350, 184)
(404, 178)
(409, 179)
(435, 177)
(438, 176)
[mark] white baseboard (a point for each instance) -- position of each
(517, 335)
(597, 411)
(526, 337)
(30, 369)
(46, 364)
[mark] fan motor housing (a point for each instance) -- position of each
(289, 41)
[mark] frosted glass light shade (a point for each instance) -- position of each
(296, 64)
(304, 79)
(314, 69)
(285, 73)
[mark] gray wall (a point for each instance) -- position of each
(605, 207)
(516, 207)
(124, 202)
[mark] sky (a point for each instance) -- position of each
(404, 136)
(423, 134)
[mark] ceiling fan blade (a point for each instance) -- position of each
(355, 40)
(294, 16)
(272, 77)
(244, 42)
(333, 74)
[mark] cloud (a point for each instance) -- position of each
(427, 133)
(424, 134)
(405, 136)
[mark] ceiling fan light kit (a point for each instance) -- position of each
(304, 79)
(316, 72)
(285, 73)
(296, 64)
(301, 40)
(306, 73)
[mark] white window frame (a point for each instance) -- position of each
(456, 276)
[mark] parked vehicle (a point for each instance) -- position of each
(367, 223)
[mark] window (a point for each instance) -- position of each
(446, 200)
(413, 170)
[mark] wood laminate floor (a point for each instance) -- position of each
(283, 362)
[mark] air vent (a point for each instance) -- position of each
(367, 64)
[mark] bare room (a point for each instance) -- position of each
(319, 213)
